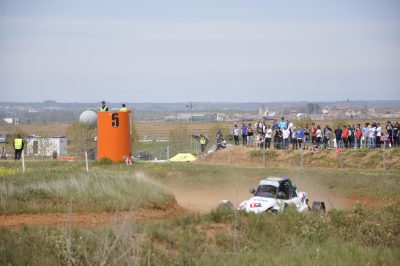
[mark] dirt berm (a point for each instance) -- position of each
(331, 158)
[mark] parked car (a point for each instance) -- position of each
(142, 155)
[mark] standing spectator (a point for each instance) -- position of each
(290, 128)
(389, 132)
(359, 135)
(264, 128)
(203, 143)
(244, 134)
(250, 133)
(236, 134)
(378, 135)
(371, 136)
(285, 135)
(338, 137)
(18, 147)
(350, 137)
(345, 135)
(313, 133)
(275, 125)
(282, 124)
(277, 139)
(318, 135)
(258, 127)
(123, 108)
(268, 137)
(257, 134)
(365, 136)
(255, 127)
(396, 137)
(327, 136)
(294, 139)
(299, 136)
(103, 107)
(385, 140)
(306, 135)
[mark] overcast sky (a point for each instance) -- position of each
(209, 50)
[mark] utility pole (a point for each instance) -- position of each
(191, 125)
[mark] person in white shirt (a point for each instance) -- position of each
(293, 138)
(268, 137)
(365, 137)
(290, 128)
(286, 135)
(378, 135)
(318, 135)
(236, 133)
(371, 136)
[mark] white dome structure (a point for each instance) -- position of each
(88, 117)
(8, 120)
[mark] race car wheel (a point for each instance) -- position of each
(225, 205)
(318, 206)
(273, 211)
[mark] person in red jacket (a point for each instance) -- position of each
(358, 136)
(313, 133)
(345, 135)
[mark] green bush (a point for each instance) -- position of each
(104, 161)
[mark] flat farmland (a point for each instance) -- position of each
(148, 130)
(152, 130)
(161, 130)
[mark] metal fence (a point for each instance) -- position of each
(318, 157)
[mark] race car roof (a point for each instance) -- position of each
(273, 180)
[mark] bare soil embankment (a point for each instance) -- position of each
(352, 158)
(88, 219)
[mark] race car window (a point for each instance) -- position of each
(288, 190)
(266, 191)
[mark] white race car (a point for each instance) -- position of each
(274, 194)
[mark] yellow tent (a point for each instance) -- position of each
(183, 157)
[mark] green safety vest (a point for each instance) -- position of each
(203, 140)
(18, 144)
(103, 109)
(123, 109)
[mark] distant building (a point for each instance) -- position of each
(190, 117)
(313, 108)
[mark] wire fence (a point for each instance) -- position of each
(314, 156)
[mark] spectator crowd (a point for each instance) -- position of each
(285, 135)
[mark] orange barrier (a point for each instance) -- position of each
(114, 135)
(70, 159)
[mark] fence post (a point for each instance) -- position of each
(168, 152)
(87, 163)
(384, 159)
(302, 158)
(229, 155)
(341, 160)
(264, 154)
(23, 161)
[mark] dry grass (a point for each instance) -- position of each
(48, 187)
